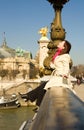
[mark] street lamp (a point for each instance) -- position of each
(57, 33)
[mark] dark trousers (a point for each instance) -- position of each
(37, 94)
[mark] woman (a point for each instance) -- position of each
(61, 63)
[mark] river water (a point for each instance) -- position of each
(12, 119)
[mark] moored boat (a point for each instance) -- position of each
(9, 102)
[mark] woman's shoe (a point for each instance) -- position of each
(36, 109)
(23, 96)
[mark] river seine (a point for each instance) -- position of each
(12, 119)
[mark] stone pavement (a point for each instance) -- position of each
(79, 89)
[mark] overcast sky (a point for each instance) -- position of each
(21, 20)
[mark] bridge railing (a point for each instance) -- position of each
(60, 109)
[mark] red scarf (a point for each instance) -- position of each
(56, 54)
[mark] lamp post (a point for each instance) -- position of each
(57, 33)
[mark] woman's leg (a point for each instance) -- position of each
(35, 93)
(40, 97)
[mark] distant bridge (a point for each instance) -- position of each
(60, 109)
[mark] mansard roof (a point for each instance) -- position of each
(6, 51)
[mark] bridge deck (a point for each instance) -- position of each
(60, 110)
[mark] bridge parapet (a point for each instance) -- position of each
(60, 109)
